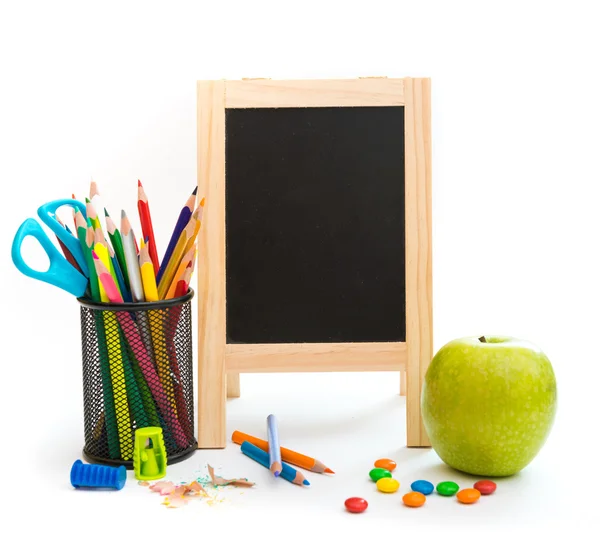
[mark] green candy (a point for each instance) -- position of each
(379, 473)
(447, 489)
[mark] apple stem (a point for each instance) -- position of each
(482, 339)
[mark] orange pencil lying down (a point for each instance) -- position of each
(289, 456)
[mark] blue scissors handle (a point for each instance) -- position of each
(47, 213)
(61, 273)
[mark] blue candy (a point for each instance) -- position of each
(422, 486)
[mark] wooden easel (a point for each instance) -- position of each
(219, 363)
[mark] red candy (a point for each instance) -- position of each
(485, 487)
(356, 505)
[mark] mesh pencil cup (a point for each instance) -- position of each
(137, 372)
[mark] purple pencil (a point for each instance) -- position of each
(274, 450)
(182, 221)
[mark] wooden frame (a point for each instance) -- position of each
(219, 364)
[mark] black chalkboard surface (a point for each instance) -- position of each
(315, 237)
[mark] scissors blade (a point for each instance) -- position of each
(47, 213)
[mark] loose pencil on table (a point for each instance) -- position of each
(260, 456)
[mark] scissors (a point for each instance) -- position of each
(61, 273)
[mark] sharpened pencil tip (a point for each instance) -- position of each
(195, 190)
(87, 200)
(123, 214)
(276, 473)
(94, 254)
(139, 183)
(106, 213)
(327, 469)
(306, 483)
(202, 201)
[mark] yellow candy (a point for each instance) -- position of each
(388, 485)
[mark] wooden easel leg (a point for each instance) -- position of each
(212, 403)
(212, 398)
(233, 385)
(417, 192)
(403, 383)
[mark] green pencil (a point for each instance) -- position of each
(86, 239)
(117, 244)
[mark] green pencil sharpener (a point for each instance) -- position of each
(149, 454)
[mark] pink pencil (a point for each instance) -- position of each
(137, 345)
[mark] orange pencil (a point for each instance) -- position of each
(147, 229)
(288, 456)
(183, 265)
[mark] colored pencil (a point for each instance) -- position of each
(178, 253)
(287, 455)
(74, 209)
(137, 293)
(92, 214)
(119, 274)
(182, 221)
(99, 239)
(117, 243)
(96, 201)
(197, 216)
(135, 342)
(146, 221)
(170, 331)
(148, 276)
(183, 284)
(161, 356)
(260, 456)
(86, 239)
(133, 267)
(86, 247)
(115, 359)
(274, 451)
(185, 262)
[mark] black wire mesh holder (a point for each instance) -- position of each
(137, 372)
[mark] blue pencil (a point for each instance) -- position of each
(124, 291)
(274, 450)
(260, 456)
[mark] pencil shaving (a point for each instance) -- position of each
(219, 481)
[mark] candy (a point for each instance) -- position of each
(388, 485)
(485, 487)
(356, 505)
(414, 499)
(468, 496)
(378, 474)
(422, 486)
(447, 489)
(385, 463)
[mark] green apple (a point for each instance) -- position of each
(488, 404)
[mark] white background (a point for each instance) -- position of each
(107, 90)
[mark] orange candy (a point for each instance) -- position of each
(468, 496)
(385, 463)
(414, 499)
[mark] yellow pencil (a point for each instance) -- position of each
(148, 276)
(115, 363)
(161, 357)
(178, 253)
(197, 215)
(185, 262)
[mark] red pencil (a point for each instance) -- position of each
(147, 229)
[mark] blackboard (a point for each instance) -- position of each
(315, 225)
